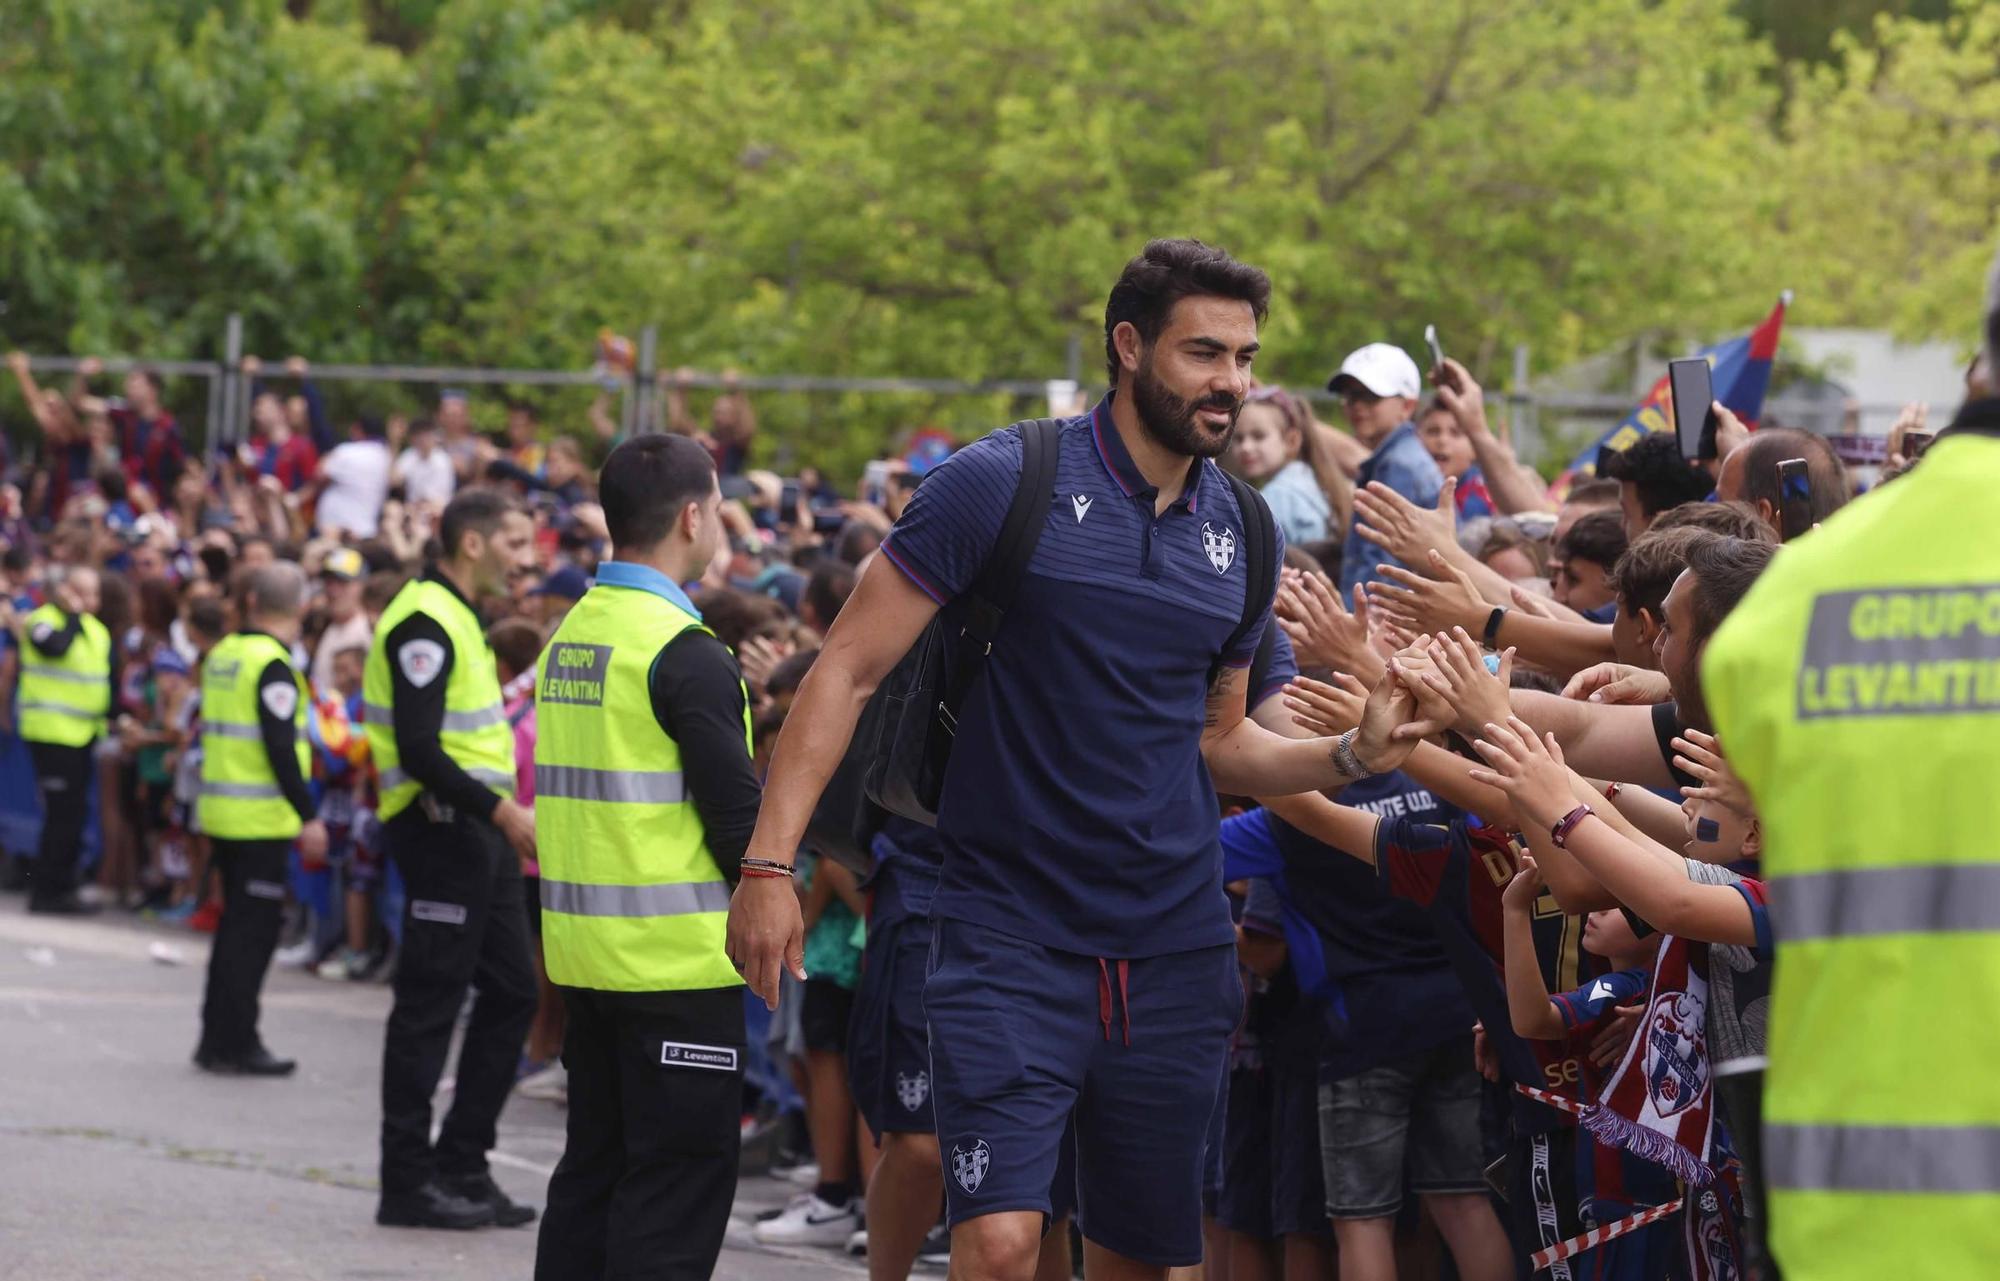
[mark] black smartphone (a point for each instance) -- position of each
(1431, 341)
(1916, 442)
(1694, 407)
(1794, 499)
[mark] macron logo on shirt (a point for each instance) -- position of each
(1082, 504)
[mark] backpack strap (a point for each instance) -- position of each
(992, 593)
(1260, 553)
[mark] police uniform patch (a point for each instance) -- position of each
(281, 700)
(420, 661)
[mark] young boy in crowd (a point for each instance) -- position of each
(1575, 1018)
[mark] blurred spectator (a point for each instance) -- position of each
(424, 469)
(1652, 477)
(355, 483)
(348, 626)
(1451, 449)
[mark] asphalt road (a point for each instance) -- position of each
(118, 1159)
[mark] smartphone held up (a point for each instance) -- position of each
(1693, 395)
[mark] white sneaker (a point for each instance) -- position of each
(811, 1221)
(803, 1175)
(857, 1245)
(298, 955)
(551, 1085)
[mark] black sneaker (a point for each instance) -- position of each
(480, 1188)
(62, 905)
(258, 1062)
(431, 1206)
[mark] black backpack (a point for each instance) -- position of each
(896, 761)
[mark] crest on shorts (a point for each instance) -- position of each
(912, 1090)
(968, 1164)
(1219, 541)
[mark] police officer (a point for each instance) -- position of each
(445, 756)
(253, 804)
(1856, 691)
(644, 799)
(68, 670)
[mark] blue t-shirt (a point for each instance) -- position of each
(1373, 960)
(1077, 811)
(1403, 464)
(1297, 503)
(1583, 1008)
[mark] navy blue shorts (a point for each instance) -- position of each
(888, 1050)
(1272, 1183)
(1024, 1036)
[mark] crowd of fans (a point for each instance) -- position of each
(1415, 536)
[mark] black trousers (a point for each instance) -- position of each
(62, 775)
(253, 907)
(464, 925)
(646, 1179)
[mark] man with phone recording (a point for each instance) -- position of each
(1082, 953)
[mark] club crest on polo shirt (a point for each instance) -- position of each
(421, 661)
(912, 1089)
(1219, 541)
(969, 1164)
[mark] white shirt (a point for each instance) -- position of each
(357, 484)
(338, 636)
(426, 480)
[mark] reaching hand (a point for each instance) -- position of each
(1438, 603)
(1485, 1059)
(312, 843)
(757, 656)
(1701, 756)
(1611, 1043)
(1479, 697)
(1392, 726)
(1533, 604)
(18, 362)
(296, 366)
(1326, 710)
(517, 824)
(1524, 889)
(1323, 633)
(1619, 683)
(1913, 418)
(1528, 769)
(1400, 527)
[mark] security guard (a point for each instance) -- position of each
(445, 757)
(68, 670)
(1856, 691)
(645, 798)
(253, 804)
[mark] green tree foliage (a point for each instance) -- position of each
(945, 188)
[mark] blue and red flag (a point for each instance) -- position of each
(1740, 369)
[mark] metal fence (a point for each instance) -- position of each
(1546, 428)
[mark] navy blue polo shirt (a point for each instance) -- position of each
(1077, 811)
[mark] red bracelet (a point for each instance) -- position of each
(1559, 834)
(1611, 791)
(760, 874)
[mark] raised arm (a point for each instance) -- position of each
(1529, 1008)
(1506, 479)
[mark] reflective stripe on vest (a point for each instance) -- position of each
(1883, 1158)
(613, 786)
(474, 732)
(239, 798)
(632, 899)
(64, 700)
(1920, 899)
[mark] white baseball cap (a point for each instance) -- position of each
(1383, 369)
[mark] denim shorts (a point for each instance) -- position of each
(1411, 1122)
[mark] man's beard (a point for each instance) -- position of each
(1171, 421)
(1689, 706)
